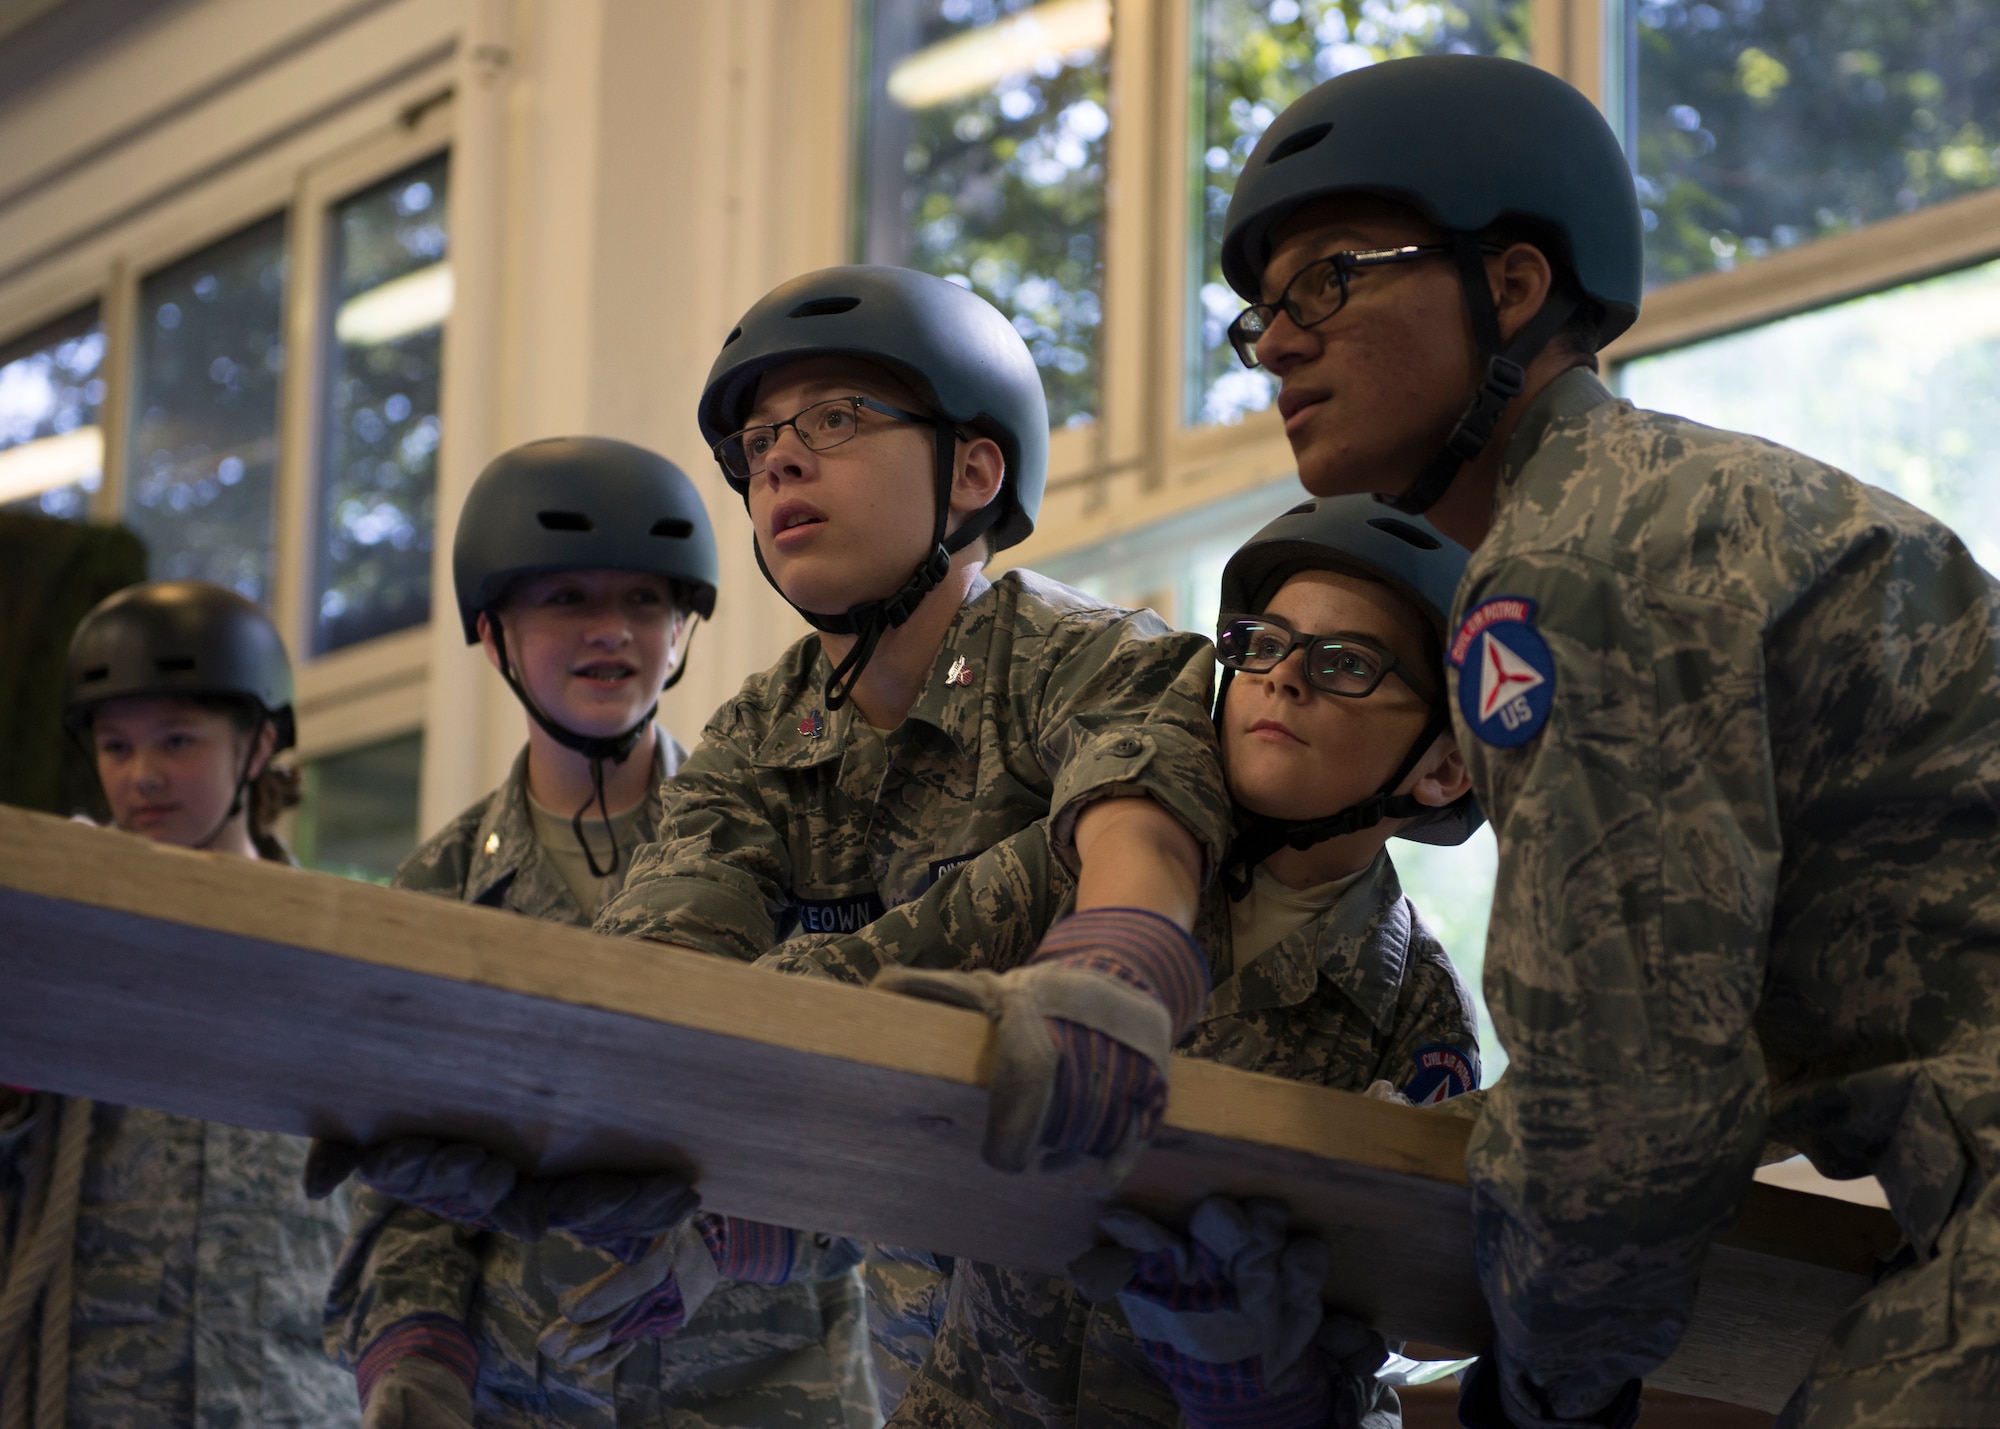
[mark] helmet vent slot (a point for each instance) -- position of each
(565, 521)
(673, 528)
(96, 673)
(174, 664)
(1303, 508)
(1298, 143)
(734, 333)
(824, 307)
(1405, 532)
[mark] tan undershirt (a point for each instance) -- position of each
(1272, 912)
(558, 841)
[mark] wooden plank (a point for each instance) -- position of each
(289, 1001)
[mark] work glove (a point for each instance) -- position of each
(613, 1211)
(418, 1374)
(651, 1298)
(456, 1180)
(1230, 1317)
(618, 1213)
(1484, 1403)
(1082, 1035)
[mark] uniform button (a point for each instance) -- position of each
(1126, 748)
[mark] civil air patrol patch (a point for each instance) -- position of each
(1442, 1073)
(1506, 675)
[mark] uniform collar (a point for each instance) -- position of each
(509, 865)
(1360, 945)
(804, 733)
(1571, 395)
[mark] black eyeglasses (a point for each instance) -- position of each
(1337, 664)
(1318, 291)
(822, 426)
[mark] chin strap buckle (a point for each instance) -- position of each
(1504, 380)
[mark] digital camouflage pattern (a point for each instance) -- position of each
(790, 818)
(1747, 891)
(753, 1356)
(1348, 999)
(199, 1270)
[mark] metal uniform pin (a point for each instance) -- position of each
(960, 672)
(811, 725)
(493, 843)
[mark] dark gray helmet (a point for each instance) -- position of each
(960, 352)
(1468, 140)
(1355, 535)
(580, 503)
(178, 638)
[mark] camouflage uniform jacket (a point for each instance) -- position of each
(1360, 993)
(790, 817)
(794, 1355)
(1747, 889)
(199, 1268)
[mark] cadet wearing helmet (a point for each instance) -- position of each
(1736, 718)
(887, 431)
(1330, 714)
(169, 1273)
(581, 565)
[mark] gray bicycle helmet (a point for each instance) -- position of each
(580, 503)
(185, 638)
(964, 359)
(1352, 534)
(1469, 141)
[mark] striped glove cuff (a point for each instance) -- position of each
(748, 1250)
(428, 1336)
(1140, 948)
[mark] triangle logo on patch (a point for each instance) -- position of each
(1503, 675)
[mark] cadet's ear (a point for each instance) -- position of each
(487, 642)
(1443, 779)
(982, 468)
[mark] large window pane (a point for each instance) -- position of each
(1900, 388)
(1175, 568)
(358, 816)
(985, 127)
(205, 439)
(1767, 123)
(378, 463)
(51, 447)
(1253, 58)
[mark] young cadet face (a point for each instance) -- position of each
(169, 767)
(848, 524)
(1369, 395)
(1296, 752)
(592, 647)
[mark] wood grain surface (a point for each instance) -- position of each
(289, 1001)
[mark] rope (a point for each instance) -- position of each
(44, 1262)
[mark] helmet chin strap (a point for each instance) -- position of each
(870, 620)
(596, 748)
(1506, 373)
(243, 778)
(1258, 836)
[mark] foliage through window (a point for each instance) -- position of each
(204, 445)
(358, 813)
(391, 292)
(1900, 388)
(984, 133)
(51, 446)
(1763, 124)
(1252, 59)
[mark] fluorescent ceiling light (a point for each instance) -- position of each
(974, 62)
(49, 462)
(396, 308)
